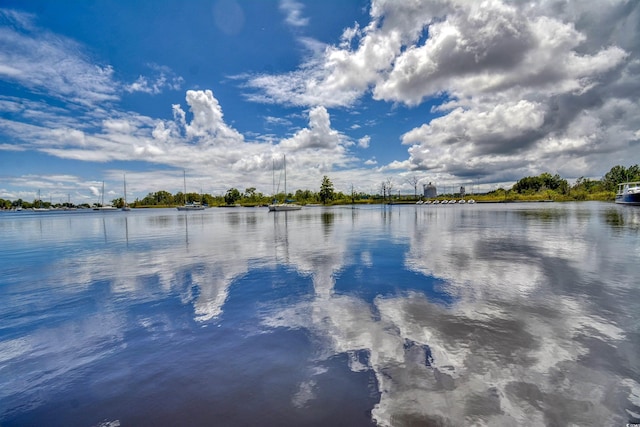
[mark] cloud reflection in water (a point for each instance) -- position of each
(512, 348)
(495, 315)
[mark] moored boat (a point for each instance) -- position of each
(189, 206)
(39, 208)
(193, 206)
(288, 205)
(628, 193)
(102, 206)
(279, 207)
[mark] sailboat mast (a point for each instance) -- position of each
(285, 177)
(124, 178)
(184, 177)
(102, 203)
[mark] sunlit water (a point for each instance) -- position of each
(497, 315)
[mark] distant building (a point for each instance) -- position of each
(430, 191)
(462, 192)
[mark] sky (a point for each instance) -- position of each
(455, 92)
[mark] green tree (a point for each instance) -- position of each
(619, 174)
(232, 196)
(544, 181)
(326, 190)
(164, 198)
(305, 196)
(250, 194)
(528, 184)
(584, 187)
(148, 200)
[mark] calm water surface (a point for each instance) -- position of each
(499, 315)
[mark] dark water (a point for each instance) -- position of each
(497, 315)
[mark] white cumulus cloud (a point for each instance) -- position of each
(516, 79)
(319, 134)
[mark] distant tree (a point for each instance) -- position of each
(250, 193)
(326, 190)
(528, 183)
(232, 196)
(305, 196)
(118, 203)
(146, 200)
(164, 198)
(544, 181)
(389, 187)
(588, 185)
(413, 181)
(619, 174)
(383, 190)
(616, 175)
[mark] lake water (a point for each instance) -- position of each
(486, 314)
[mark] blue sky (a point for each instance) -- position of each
(450, 91)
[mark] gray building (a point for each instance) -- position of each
(430, 191)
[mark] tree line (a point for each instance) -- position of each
(558, 188)
(249, 197)
(544, 185)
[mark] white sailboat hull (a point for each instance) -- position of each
(284, 207)
(193, 206)
(190, 208)
(279, 207)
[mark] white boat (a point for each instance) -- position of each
(278, 207)
(628, 193)
(126, 205)
(193, 206)
(39, 208)
(102, 206)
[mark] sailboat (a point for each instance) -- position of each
(125, 207)
(193, 206)
(39, 208)
(284, 206)
(103, 207)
